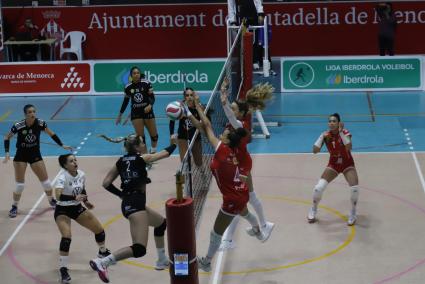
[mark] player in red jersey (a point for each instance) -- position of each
(338, 142)
(238, 114)
(230, 166)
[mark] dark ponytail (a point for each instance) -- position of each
(235, 137)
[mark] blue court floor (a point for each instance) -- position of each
(378, 121)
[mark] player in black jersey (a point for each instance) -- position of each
(187, 129)
(28, 152)
(140, 92)
(132, 170)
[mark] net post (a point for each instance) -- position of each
(179, 186)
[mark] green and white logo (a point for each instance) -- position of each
(351, 73)
(301, 74)
(165, 76)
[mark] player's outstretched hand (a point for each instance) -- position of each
(69, 148)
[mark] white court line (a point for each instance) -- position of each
(419, 170)
(219, 264)
(25, 220)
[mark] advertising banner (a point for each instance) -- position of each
(367, 73)
(199, 31)
(166, 76)
(45, 78)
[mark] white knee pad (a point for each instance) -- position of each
(47, 185)
(319, 188)
(354, 193)
(19, 187)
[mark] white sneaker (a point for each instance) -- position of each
(266, 229)
(256, 66)
(227, 245)
(352, 218)
(259, 234)
(204, 264)
(311, 217)
(162, 264)
(97, 265)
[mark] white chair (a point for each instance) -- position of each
(76, 39)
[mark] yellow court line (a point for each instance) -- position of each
(5, 115)
(347, 241)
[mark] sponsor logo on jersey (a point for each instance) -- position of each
(30, 138)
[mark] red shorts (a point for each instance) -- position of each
(233, 205)
(341, 167)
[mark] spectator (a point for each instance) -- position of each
(387, 26)
(27, 32)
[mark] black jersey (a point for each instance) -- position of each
(186, 128)
(141, 94)
(132, 170)
(28, 136)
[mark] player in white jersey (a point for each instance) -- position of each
(70, 193)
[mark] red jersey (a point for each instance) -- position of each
(340, 158)
(226, 166)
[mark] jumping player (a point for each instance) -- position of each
(238, 115)
(230, 167)
(132, 170)
(70, 190)
(339, 144)
(186, 130)
(140, 91)
(28, 152)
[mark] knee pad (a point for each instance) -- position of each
(100, 238)
(65, 244)
(319, 188)
(47, 185)
(138, 250)
(144, 139)
(160, 230)
(354, 193)
(19, 187)
(154, 138)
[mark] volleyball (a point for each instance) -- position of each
(174, 110)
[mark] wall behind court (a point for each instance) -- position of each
(191, 31)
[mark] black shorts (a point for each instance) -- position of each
(133, 203)
(140, 114)
(72, 211)
(184, 135)
(28, 156)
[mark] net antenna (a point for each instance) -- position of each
(198, 177)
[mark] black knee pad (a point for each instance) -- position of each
(154, 138)
(138, 250)
(144, 139)
(100, 238)
(65, 244)
(160, 230)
